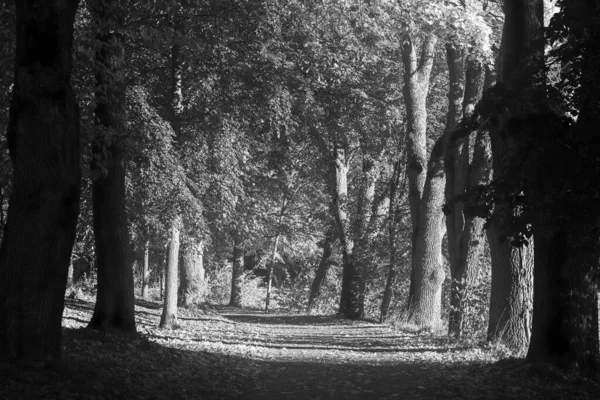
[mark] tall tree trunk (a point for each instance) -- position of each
(565, 319)
(114, 309)
(43, 140)
(146, 269)
(237, 272)
(465, 230)
(351, 305)
(168, 319)
(426, 302)
(511, 300)
(270, 273)
(416, 87)
(322, 269)
(392, 227)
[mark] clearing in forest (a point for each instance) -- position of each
(228, 353)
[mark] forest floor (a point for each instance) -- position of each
(228, 353)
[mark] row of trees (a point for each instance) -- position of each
(224, 128)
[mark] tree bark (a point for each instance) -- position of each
(270, 273)
(114, 309)
(416, 87)
(237, 272)
(192, 275)
(321, 274)
(43, 140)
(146, 269)
(521, 57)
(425, 307)
(168, 319)
(465, 229)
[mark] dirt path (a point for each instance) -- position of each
(228, 353)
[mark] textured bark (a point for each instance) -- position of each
(426, 303)
(146, 269)
(114, 309)
(191, 280)
(465, 230)
(521, 56)
(168, 318)
(237, 272)
(321, 274)
(43, 140)
(416, 87)
(351, 302)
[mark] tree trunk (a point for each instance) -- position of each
(43, 140)
(237, 272)
(191, 285)
(114, 309)
(465, 230)
(521, 57)
(146, 269)
(169, 315)
(565, 319)
(398, 171)
(416, 87)
(351, 302)
(321, 274)
(426, 302)
(270, 273)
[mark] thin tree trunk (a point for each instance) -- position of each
(114, 309)
(43, 140)
(237, 272)
(270, 273)
(392, 246)
(146, 269)
(321, 274)
(168, 319)
(416, 87)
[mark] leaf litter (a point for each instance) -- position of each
(229, 353)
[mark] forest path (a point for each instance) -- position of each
(228, 353)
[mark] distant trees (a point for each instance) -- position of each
(43, 140)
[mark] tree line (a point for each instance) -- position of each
(394, 142)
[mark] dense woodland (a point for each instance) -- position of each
(431, 165)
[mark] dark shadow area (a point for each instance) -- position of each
(266, 319)
(148, 304)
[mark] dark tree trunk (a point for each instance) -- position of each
(466, 235)
(43, 140)
(237, 272)
(169, 315)
(146, 269)
(565, 319)
(416, 87)
(114, 309)
(321, 273)
(392, 239)
(511, 301)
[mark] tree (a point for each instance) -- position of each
(114, 309)
(168, 318)
(521, 58)
(565, 318)
(43, 140)
(417, 71)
